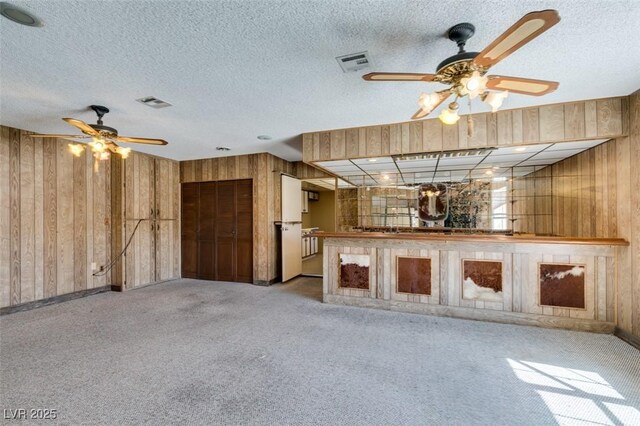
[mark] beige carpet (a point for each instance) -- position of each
(198, 352)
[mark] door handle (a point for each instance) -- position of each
(233, 232)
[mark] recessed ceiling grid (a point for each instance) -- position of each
(499, 162)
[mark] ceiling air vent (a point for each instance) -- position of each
(154, 102)
(354, 61)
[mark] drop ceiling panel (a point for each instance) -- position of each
(528, 149)
(580, 145)
(334, 163)
(378, 160)
(503, 161)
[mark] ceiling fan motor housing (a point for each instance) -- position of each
(461, 63)
(104, 129)
(100, 112)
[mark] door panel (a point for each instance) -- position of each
(291, 227)
(291, 250)
(225, 249)
(218, 239)
(189, 234)
(207, 255)
(140, 262)
(167, 193)
(226, 231)
(291, 199)
(207, 231)
(190, 258)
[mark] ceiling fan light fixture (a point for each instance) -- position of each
(76, 149)
(474, 85)
(495, 99)
(124, 152)
(450, 115)
(98, 145)
(104, 155)
(428, 101)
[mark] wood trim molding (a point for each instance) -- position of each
(631, 339)
(473, 238)
(545, 321)
(53, 300)
(571, 121)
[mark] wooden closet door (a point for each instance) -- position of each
(207, 231)
(189, 228)
(244, 231)
(167, 192)
(140, 204)
(226, 231)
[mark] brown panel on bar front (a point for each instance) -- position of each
(482, 280)
(484, 273)
(414, 275)
(354, 271)
(562, 285)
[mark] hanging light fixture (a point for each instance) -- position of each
(76, 149)
(124, 152)
(428, 101)
(450, 115)
(474, 85)
(495, 99)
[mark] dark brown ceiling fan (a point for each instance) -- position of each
(465, 71)
(103, 137)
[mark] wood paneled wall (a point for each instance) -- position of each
(592, 119)
(576, 197)
(594, 194)
(55, 218)
(148, 188)
(259, 168)
(265, 170)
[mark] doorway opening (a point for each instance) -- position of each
(318, 214)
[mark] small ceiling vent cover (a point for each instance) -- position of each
(153, 102)
(354, 61)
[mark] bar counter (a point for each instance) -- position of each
(520, 279)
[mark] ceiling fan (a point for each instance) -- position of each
(465, 71)
(103, 137)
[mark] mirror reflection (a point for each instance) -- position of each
(501, 190)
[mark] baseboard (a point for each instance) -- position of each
(503, 317)
(627, 337)
(265, 283)
(53, 300)
(125, 289)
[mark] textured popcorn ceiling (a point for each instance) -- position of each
(238, 69)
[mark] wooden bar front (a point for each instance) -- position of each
(543, 281)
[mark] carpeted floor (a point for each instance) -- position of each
(198, 352)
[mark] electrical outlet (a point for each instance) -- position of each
(94, 266)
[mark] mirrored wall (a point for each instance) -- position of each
(493, 190)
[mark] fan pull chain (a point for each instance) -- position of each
(469, 122)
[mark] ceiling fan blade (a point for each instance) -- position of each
(84, 127)
(397, 76)
(526, 29)
(525, 86)
(141, 140)
(59, 136)
(111, 145)
(421, 113)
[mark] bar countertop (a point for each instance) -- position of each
(485, 238)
